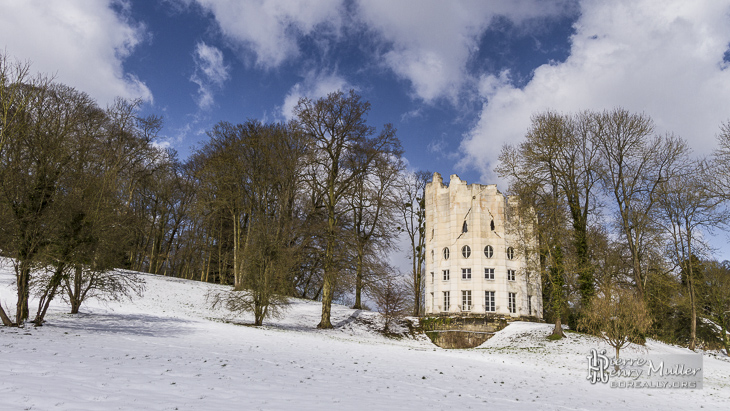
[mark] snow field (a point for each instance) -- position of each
(168, 350)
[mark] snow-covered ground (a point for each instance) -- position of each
(169, 351)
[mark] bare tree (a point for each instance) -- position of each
(222, 173)
(559, 151)
(634, 163)
(618, 316)
(271, 166)
(342, 147)
(688, 206)
(18, 90)
(533, 179)
(391, 298)
(720, 178)
(60, 197)
(103, 284)
(413, 214)
(35, 162)
(373, 204)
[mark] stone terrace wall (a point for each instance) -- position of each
(468, 331)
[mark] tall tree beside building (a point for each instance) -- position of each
(634, 163)
(559, 149)
(374, 207)
(554, 172)
(413, 214)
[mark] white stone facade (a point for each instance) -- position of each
(472, 256)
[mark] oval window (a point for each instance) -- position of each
(446, 253)
(466, 251)
(488, 251)
(510, 253)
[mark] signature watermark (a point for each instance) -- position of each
(674, 371)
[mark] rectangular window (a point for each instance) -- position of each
(529, 305)
(466, 300)
(447, 302)
(431, 276)
(489, 273)
(489, 305)
(466, 273)
(512, 303)
(446, 275)
(510, 275)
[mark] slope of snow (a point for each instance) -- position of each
(169, 351)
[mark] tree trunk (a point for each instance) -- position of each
(558, 329)
(418, 282)
(74, 295)
(6, 320)
(358, 278)
(416, 288)
(23, 283)
(327, 291)
(45, 300)
(693, 317)
(557, 280)
(328, 280)
(690, 283)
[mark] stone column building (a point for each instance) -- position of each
(480, 258)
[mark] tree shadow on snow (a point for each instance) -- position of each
(128, 324)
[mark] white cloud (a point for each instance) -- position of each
(433, 40)
(82, 43)
(209, 60)
(210, 71)
(271, 28)
(662, 58)
(427, 42)
(314, 85)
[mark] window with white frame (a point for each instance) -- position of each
(446, 275)
(446, 253)
(510, 275)
(466, 273)
(489, 273)
(488, 251)
(447, 301)
(489, 304)
(510, 253)
(512, 302)
(466, 251)
(466, 300)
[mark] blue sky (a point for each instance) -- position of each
(458, 79)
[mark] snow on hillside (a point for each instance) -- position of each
(169, 351)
